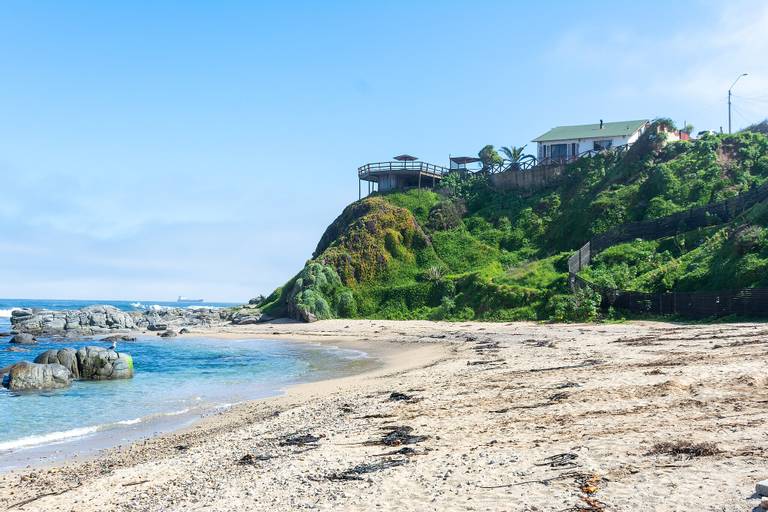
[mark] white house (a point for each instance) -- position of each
(567, 142)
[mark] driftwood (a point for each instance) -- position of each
(131, 484)
(588, 362)
(41, 496)
(573, 474)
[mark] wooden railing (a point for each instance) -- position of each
(529, 162)
(698, 304)
(367, 170)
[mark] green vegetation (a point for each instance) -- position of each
(471, 251)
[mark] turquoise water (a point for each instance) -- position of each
(176, 377)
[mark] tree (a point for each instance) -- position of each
(761, 127)
(513, 154)
(490, 158)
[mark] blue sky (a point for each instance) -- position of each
(151, 149)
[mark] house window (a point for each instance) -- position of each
(559, 151)
(574, 149)
(600, 145)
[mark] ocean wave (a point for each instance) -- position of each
(76, 433)
(6, 313)
(53, 437)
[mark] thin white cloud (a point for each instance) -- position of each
(694, 65)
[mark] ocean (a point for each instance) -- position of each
(176, 381)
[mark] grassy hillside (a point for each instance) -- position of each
(716, 258)
(470, 251)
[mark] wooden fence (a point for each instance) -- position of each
(746, 301)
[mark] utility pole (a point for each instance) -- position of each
(729, 100)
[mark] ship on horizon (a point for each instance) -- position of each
(185, 299)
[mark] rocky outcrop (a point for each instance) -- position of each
(26, 376)
(104, 319)
(23, 339)
(66, 357)
(89, 320)
(56, 368)
(99, 363)
(246, 316)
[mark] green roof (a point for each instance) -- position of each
(591, 131)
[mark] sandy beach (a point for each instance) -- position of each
(460, 416)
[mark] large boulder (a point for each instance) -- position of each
(66, 357)
(26, 376)
(246, 316)
(99, 363)
(23, 339)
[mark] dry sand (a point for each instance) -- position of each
(515, 416)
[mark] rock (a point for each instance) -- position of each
(157, 326)
(184, 330)
(21, 313)
(246, 316)
(764, 503)
(16, 349)
(305, 315)
(24, 339)
(98, 363)
(66, 357)
(105, 319)
(25, 376)
(168, 334)
(762, 488)
(119, 337)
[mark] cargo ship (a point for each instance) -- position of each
(185, 299)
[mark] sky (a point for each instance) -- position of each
(150, 149)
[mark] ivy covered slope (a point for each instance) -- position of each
(725, 257)
(730, 256)
(470, 251)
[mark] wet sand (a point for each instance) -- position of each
(465, 416)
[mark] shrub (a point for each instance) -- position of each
(446, 308)
(581, 306)
(347, 305)
(446, 214)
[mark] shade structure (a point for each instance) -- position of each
(405, 158)
(464, 159)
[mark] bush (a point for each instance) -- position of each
(446, 214)
(581, 306)
(347, 305)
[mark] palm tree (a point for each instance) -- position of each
(513, 155)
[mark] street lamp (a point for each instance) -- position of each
(729, 100)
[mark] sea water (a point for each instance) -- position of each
(176, 380)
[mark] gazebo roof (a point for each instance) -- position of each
(405, 158)
(464, 159)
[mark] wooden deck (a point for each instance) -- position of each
(384, 176)
(372, 171)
